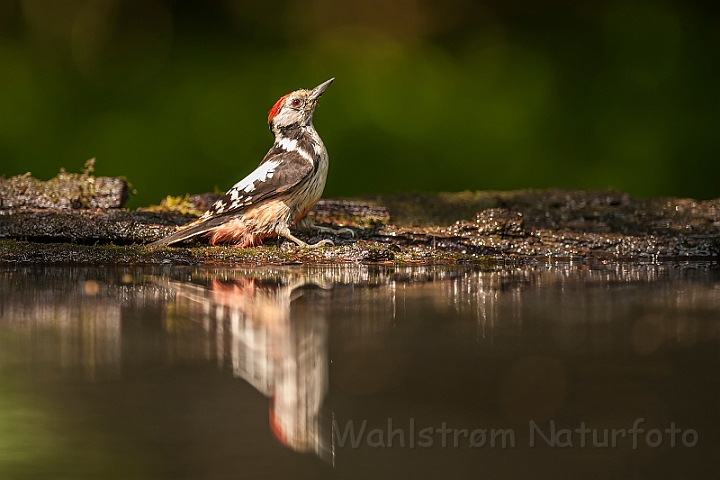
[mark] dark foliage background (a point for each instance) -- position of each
(447, 95)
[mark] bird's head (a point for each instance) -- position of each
(296, 108)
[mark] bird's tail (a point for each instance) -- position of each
(189, 231)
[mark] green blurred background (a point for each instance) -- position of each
(429, 96)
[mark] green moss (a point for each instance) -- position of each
(180, 204)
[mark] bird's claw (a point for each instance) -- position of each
(336, 231)
(321, 243)
(301, 244)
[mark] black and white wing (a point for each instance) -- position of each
(277, 173)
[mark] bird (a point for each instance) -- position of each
(281, 191)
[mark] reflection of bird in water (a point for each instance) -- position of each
(284, 359)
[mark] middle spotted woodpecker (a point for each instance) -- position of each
(280, 191)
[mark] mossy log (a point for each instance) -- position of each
(65, 191)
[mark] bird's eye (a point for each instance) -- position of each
(296, 102)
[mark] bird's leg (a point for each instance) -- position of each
(306, 224)
(300, 243)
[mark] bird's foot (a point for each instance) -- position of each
(301, 244)
(335, 231)
(306, 225)
(321, 243)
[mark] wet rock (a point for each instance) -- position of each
(598, 211)
(466, 227)
(89, 226)
(349, 213)
(495, 221)
(361, 251)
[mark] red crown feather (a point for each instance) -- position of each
(276, 108)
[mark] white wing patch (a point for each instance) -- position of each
(237, 195)
(263, 173)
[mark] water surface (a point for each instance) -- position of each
(179, 372)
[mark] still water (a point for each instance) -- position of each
(545, 371)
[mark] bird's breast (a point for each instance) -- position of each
(310, 190)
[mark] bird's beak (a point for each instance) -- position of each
(319, 90)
